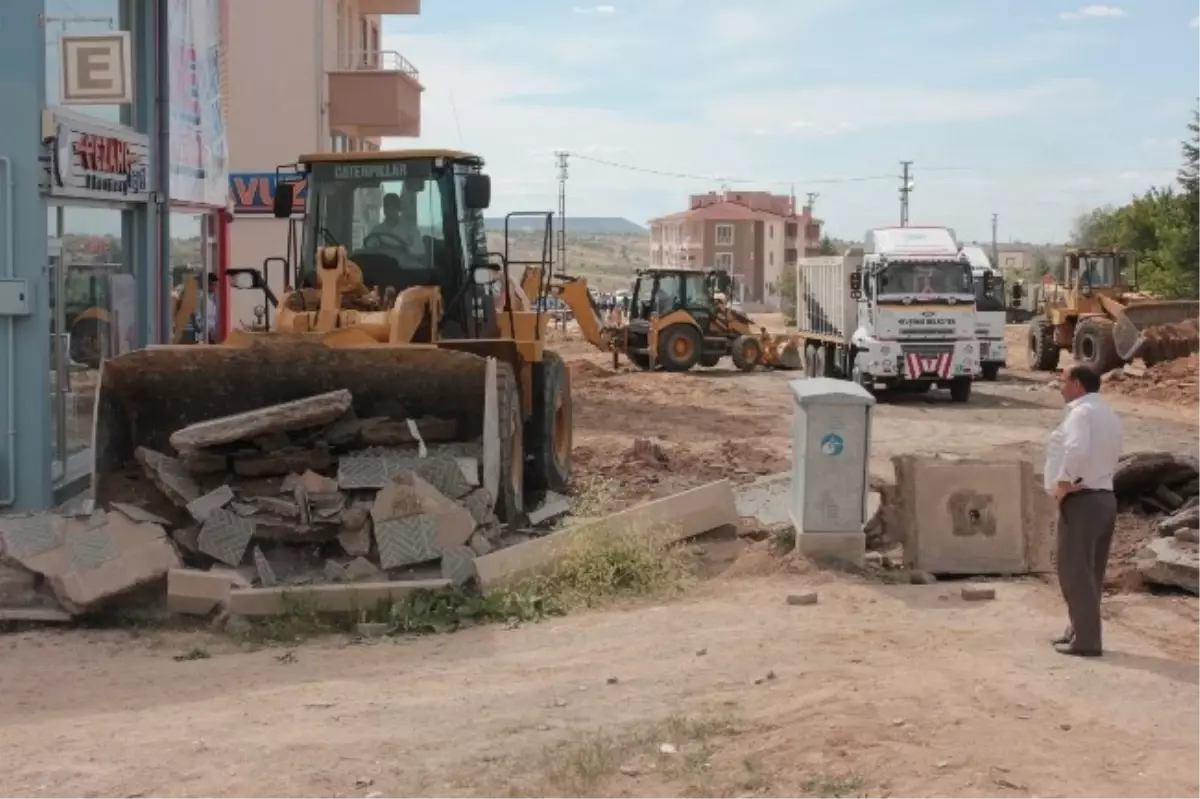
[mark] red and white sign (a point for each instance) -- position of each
(93, 161)
(921, 365)
(1047, 279)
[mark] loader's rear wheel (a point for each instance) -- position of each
(746, 352)
(510, 505)
(1043, 352)
(679, 348)
(548, 437)
(1094, 345)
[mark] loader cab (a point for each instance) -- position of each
(1092, 270)
(406, 218)
(664, 291)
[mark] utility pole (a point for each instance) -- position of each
(561, 156)
(905, 190)
(995, 245)
(811, 200)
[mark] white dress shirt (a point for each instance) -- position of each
(1085, 447)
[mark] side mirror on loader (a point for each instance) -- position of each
(477, 192)
(284, 200)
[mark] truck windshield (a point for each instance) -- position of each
(392, 211)
(925, 277)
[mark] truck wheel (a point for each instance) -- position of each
(548, 436)
(510, 505)
(679, 348)
(746, 353)
(960, 389)
(990, 371)
(1094, 345)
(1043, 352)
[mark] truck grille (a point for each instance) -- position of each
(926, 360)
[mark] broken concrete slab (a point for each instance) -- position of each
(138, 514)
(35, 615)
(443, 473)
(354, 533)
(403, 542)
(396, 500)
(373, 469)
(479, 504)
(198, 461)
(390, 433)
(282, 462)
(89, 564)
(479, 544)
(1170, 562)
(361, 570)
(469, 467)
(553, 506)
(312, 483)
(168, 475)
(308, 412)
(339, 598)
(201, 507)
(673, 518)
(458, 565)
(266, 574)
(17, 586)
(198, 593)
(969, 516)
(225, 536)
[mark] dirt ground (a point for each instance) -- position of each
(728, 691)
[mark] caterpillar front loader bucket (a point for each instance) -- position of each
(147, 395)
(1154, 330)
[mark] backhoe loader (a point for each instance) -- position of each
(393, 296)
(677, 319)
(1100, 317)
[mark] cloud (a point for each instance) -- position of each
(1195, 23)
(602, 9)
(1093, 12)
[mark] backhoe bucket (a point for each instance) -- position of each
(789, 355)
(145, 396)
(1155, 331)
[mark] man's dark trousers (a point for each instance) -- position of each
(1085, 530)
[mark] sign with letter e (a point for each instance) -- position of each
(96, 69)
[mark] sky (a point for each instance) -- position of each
(1033, 110)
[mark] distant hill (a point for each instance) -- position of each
(583, 225)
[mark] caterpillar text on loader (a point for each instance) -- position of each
(392, 296)
(678, 318)
(1099, 316)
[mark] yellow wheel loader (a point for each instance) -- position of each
(677, 319)
(1098, 315)
(392, 296)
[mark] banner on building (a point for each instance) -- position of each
(254, 192)
(199, 159)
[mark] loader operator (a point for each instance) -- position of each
(400, 221)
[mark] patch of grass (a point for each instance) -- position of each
(593, 497)
(452, 608)
(299, 621)
(783, 539)
(834, 785)
(195, 653)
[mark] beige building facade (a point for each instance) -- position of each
(305, 76)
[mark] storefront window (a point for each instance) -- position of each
(93, 310)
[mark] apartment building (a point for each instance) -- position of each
(305, 76)
(753, 235)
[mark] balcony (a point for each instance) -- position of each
(389, 6)
(375, 93)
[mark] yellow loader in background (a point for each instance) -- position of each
(393, 297)
(1099, 316)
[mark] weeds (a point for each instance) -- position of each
(195, 653)
(593, 497)
(834, 785)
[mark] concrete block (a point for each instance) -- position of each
(201, 507)
(337, 598)
(168, 475)
(967, 516)
(198, 593)
(674, 518)
(308, 412)
(458, 565)
(838, 549)
(225, 536)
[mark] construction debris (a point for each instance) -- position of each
(1164, 486)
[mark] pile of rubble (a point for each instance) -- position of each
(1173, 382)
(257, 504)
(1167, 488)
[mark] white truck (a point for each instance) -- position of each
(899, 312)
(990, 313)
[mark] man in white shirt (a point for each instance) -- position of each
(1080, 461)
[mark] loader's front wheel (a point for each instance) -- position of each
(746, 352)
(1043, 352)
(510, 504)
(550, 433)
(1094, 345)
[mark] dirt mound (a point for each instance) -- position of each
(1165, 342)
(586, 371)
(1131, 534)
(1171, 382)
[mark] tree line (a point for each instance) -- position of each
(1162, 226)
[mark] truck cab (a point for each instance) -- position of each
(916, 317)
(990, 313)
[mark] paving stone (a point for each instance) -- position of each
(225, 536)
(26, 536)
(138, 514)
(90, 549)
(362, 471)
(395, 501)
(458, 565)
(278, 506)
(168, 475)
(266, 574)
(307, 412)
(205, 505)
(479, 544)
(313, 483)
(479, 504)
(444, 474)
(403, 542)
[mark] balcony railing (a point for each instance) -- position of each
(376, 61)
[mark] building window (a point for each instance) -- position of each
(771, 258)
(790, 230)
(770, 231)
(725, 261)
(725, 234)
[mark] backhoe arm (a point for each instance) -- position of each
(574, 292)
